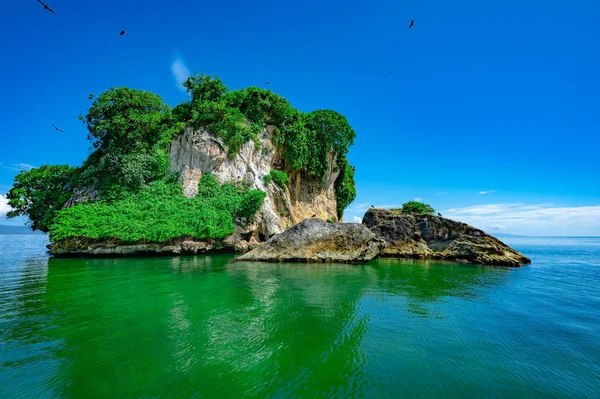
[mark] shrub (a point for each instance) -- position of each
(160, 212)
(278, 176)
(416, 207)
(330, 220)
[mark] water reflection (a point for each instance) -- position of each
(148, 327)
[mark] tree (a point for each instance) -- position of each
(204, 88)
(131, 131)
(417, 207)
(39, 193)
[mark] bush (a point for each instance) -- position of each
(160, 212)
(329, 220)
(278, 176)
(416, 207)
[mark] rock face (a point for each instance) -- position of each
(179, 246)
(314, 240)
(197, 151)
(435, 237)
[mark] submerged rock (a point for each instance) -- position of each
(314, 240)
(436, 237)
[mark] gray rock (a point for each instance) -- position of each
(314, 240)
(436, 237)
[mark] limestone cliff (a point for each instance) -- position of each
(196, 152)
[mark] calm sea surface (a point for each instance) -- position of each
(204, 326)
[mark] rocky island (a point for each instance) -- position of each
(227, 171)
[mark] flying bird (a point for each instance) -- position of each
(439, 214)
(46, 7)
(372, 206)
(412, 23)
(267, 83)
(122, 32)
(62, 131)
(90, 96)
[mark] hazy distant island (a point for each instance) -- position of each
(226, 171)
(17, 230)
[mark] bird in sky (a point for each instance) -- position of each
(90, 96)
(412, 23)
(391, 73)
(122, 32)
(62, 131)
(46, 7)
(267, 83)
(439, 214)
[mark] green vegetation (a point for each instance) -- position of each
(329, 220)
(345, 190)
(130, 132)
(39, 193)
(160, 212)
(415, 207)
(278, 176)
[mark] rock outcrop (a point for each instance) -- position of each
(435, 237)
(314, 240)
(196, 152)
(179, 246)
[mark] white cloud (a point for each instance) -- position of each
(4, 207)
(539, 219)
(180, 72)
(441, 193)
(487, 192)
(356, 219)
(418, 199)
(497, 227)
(17, 167)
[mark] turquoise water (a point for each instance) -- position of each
(207, 327)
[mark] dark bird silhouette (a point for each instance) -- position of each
(314, 216)
(46, 7)
(372, 206)
(62, 131)
(412, 23)
(122, 32)
(267, 83)
(391, 73)
(90, 96)
(439, 214)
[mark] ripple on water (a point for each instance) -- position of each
(204, 326)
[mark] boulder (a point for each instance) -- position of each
(435, 237)
(314, 240)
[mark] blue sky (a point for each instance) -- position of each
(497, 97)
